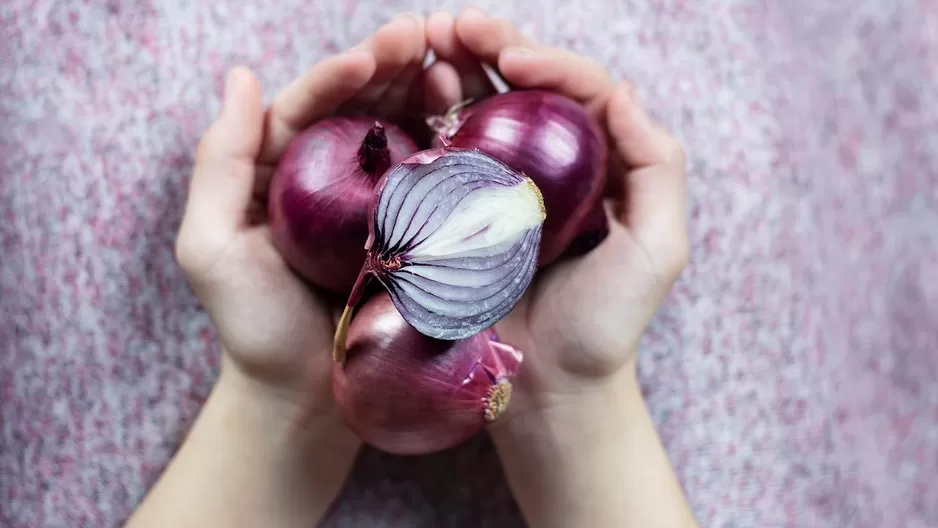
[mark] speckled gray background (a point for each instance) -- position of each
(793, 372)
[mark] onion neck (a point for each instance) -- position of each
(446, 126)
(340, 341)
(374, 157)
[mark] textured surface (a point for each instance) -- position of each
(793, 372)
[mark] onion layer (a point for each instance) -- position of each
(321, 194)
(551, 139)
(406, 393)
(455, 238)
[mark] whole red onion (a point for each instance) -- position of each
(321, 194)
(406, 393)
(551, 139)
(454, 240)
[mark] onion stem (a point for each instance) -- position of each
(447, 125)
(341, 336)
(374, 158)
(341, 330)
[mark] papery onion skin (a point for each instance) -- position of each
(405, 393)
(454, 239)
(551, 139)
(321, 192)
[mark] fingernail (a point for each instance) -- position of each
(518, 51)
(231, 84)
(360, 49)
(412, 16)
(361, 46)
(445, 16)
(472, 12)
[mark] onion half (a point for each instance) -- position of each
(454, 239)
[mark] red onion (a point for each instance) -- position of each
(551, 139)
(454, 240)
(321, 193)
(406, 393)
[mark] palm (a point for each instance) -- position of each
(274, 327)
(583, 318)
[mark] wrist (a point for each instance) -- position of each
(579, 401)
(590, 458)
(251, 459)
(284, 420)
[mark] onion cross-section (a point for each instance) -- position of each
(454, 239)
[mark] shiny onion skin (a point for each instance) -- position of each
(405, 393)
(321, 192)
(454, 240)
(551, 139)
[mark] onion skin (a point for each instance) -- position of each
(551, 139)
(321, 192)
(593, 230)
(408, 394)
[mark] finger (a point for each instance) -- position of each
(442, 38)
(223, 178)
(443, 88)
(407, 83)
(399, 48)
(486, 36)
(641, 142)
(577, 77)
(314, 95)
(653, 201)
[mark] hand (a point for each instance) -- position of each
(581, 321)
(276, 332)
(577, 443)
(267, 448)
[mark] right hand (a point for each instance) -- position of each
(580, 323)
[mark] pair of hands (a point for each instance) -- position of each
(580, 323)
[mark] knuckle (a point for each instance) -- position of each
(674, 152)
(629, 88)
(678, 259)
(207, 145)
(199, 252)
(184, 252)
(682, 258)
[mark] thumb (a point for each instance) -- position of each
(223, 179)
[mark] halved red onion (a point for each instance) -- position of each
(454, 239)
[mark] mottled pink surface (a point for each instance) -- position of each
(793, 372)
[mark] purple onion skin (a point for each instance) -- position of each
(593, 230)
(321, 192)
(408, 394)
(551, 139)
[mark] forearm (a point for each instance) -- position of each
(250, 462)
(596, 462)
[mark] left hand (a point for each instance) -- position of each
(580, 323)
(276, 332)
